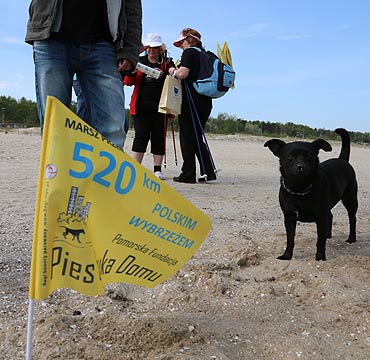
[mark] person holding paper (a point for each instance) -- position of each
(149, 124)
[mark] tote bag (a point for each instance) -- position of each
(171, 97)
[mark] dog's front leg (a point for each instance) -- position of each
(322, 233)
(330, 225)
(290, 221)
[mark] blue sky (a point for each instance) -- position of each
(301, 61)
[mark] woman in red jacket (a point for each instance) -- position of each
(149, 124)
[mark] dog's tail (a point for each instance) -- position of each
(345, 150)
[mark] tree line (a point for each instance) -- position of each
(23, 112)
(226, 124)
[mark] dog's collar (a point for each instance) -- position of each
(305, 192)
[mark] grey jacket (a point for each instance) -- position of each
(124, 17)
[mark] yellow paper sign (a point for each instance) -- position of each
(101, 217)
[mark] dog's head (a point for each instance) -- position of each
(298, 159)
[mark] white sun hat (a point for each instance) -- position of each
(153, 40)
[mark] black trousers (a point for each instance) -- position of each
(192, 144)
(149, 126)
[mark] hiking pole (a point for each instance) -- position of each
(165, 138)
(201, 160)
(204, 136)
(173, 140)
(202, 131)
(205, 139)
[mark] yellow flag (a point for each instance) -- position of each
(101, 217)
(220, 54)
(227, 54)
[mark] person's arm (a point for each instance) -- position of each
(125, 65)
(129, 45)
(188, 64)
(181, 73)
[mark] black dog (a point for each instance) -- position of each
(309, 189)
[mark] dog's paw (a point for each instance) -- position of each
(320, 257)
(284, 257)
(350, 240)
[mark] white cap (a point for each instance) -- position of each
(153, 40)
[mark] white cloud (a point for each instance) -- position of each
(12, 40)
(287, 37)
(252, 31)
(343, 27)
(4, 84)
(19, 77)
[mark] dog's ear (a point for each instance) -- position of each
(275, 145)
(322, 144)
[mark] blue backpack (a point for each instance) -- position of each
(215, 77)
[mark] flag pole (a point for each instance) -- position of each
(29, 330)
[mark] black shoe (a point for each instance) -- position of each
(183, 180)
(211, 177)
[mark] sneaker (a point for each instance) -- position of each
(159, 175)
(205, 178)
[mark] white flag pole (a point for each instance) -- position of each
(29, 330)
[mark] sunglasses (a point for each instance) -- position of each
(182, 41)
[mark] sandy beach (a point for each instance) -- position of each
(233, 300)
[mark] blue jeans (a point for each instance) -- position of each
(82, 110)
(95, 65)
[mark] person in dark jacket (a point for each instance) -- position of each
(191, 130)
(149, 124)
(94, 39)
